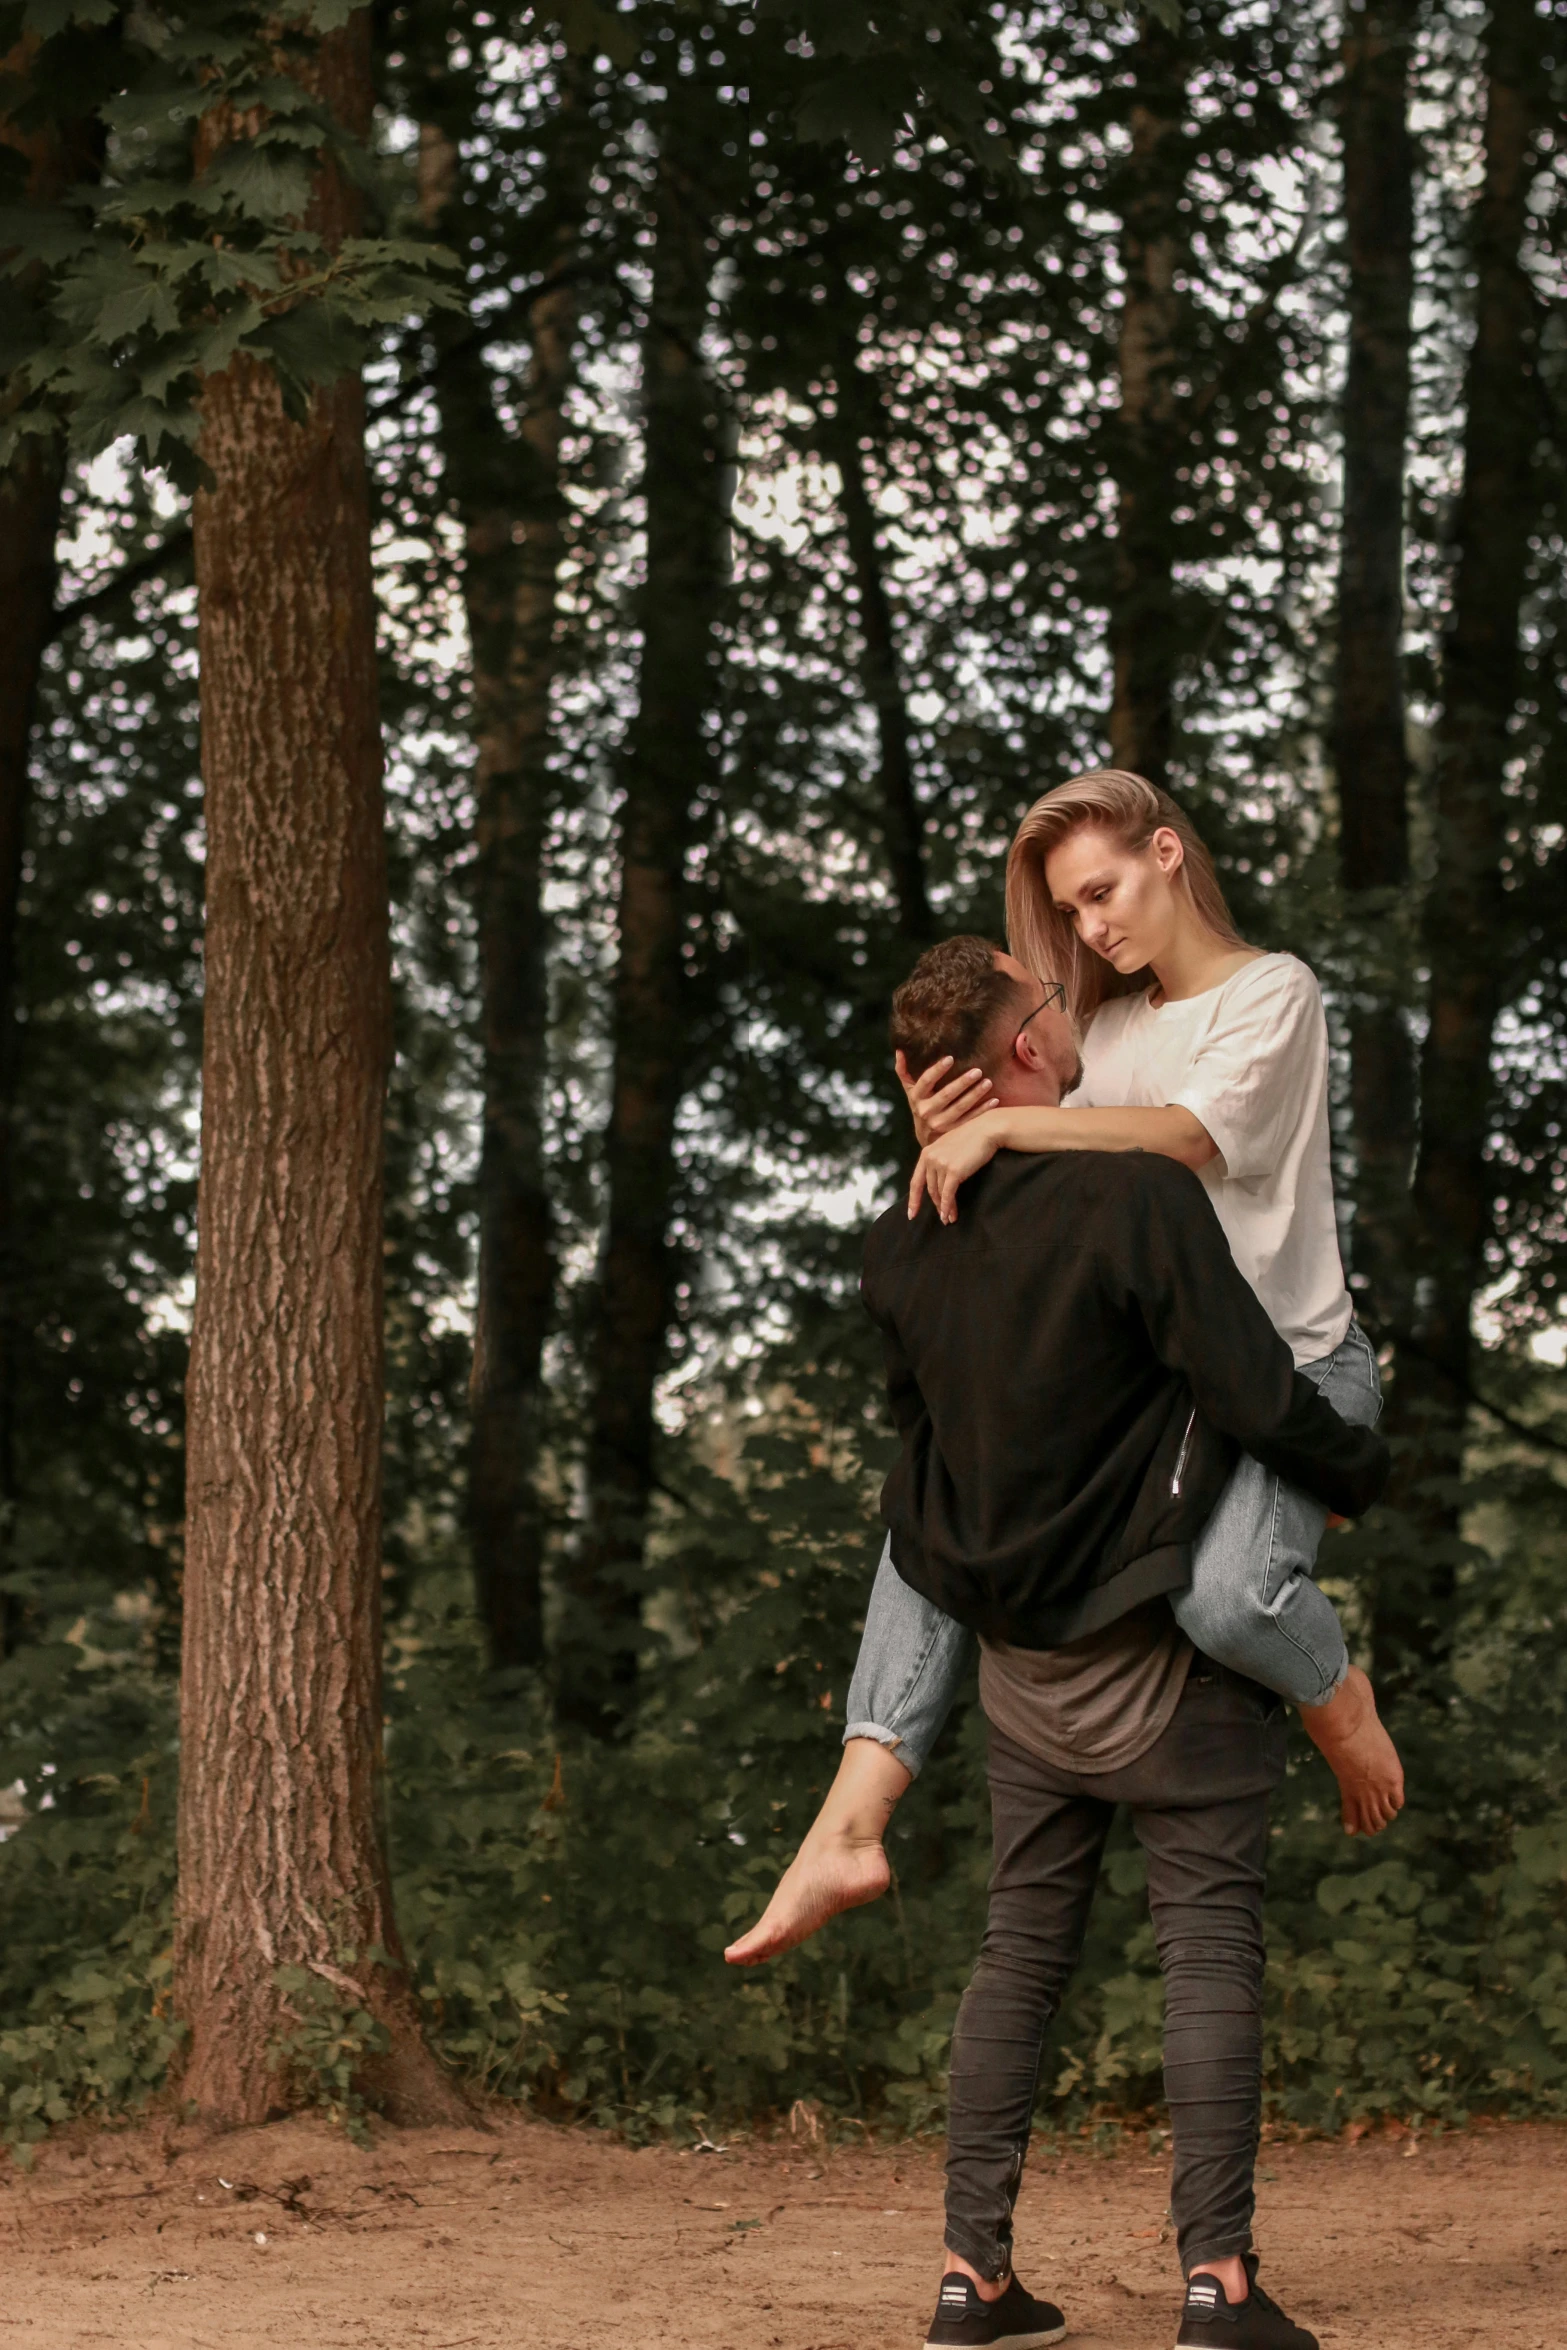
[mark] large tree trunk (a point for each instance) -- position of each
(903, 823)
(281, 1845)
(509, 500)
(666, 766)
(1147, 431)
(1465, 907)
(1368, 688)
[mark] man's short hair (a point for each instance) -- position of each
(955, 1000)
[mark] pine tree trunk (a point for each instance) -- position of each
(1368, 702)
(1147, 431)
(903, 820)
(666, 767)
(1465, 915)
(281, 1844)
(509, 500)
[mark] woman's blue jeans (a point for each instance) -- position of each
(1253, 1603)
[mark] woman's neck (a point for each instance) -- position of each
(1196, 960)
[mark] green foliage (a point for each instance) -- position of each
(86, 1881)
(171, 263)
(566, 1907)
(323, 2052)
(565, 1904)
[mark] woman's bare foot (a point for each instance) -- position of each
(841, 1864)
(1348, 1733)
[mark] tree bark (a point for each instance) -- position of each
(1466, 905)
(1368, 744)
(1147, 431)
(667, 766)
(281, 1846)
(903, 823)
(509, 500)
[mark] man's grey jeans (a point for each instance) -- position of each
(1199, 1806)
(1253, 1604)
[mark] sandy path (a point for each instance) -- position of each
(549, 2239)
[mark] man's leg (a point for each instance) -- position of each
(911, 1665)
(1255, 1606)
(1047, 1851)
(1206, 1868)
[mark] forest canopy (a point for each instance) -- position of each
(543, 554)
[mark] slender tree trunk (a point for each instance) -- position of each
(281, 1844)
(1466, 905)
(509, 499)
(30, 493)
(667, 764)
(1368, 699)
(902, 817)
(29, 522)
(1147, 431)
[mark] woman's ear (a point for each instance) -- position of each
(1170, 851)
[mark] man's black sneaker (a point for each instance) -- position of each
(1013, 2321)
(1211, 2321)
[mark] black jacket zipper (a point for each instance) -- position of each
(1180, 1458)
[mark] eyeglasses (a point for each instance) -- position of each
(1054, 993)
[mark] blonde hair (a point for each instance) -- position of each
(1132, 810)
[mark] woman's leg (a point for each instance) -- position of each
(1255, 1606)
(841, 1865)
(910, 1667)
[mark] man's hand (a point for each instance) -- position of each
(938, 1102)
(943, 1165)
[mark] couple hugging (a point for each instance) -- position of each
(1130, 1390)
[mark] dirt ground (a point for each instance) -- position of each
(538, 2238)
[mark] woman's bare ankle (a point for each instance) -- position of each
(1348, 1733)
(864, 1795)
(841, 1864)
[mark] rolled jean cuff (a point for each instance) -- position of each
(1336, 1684)
(1222, 2248)
(992, 2260)
(912, 1662)
(882, 1738)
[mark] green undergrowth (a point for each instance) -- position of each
(569, 1926)
(87, 1883)
(564, 1905)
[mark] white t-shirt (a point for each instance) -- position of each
(1250, 1059)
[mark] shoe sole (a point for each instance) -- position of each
(1182, 2344)
(1035, 2341)
(1211, 2343)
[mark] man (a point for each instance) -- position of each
(1071, 1367)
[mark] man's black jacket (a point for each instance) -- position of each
(1072, 1366)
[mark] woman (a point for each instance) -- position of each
(1214, 1053)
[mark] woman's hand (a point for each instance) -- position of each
(938, 1102)
(951, 1160)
